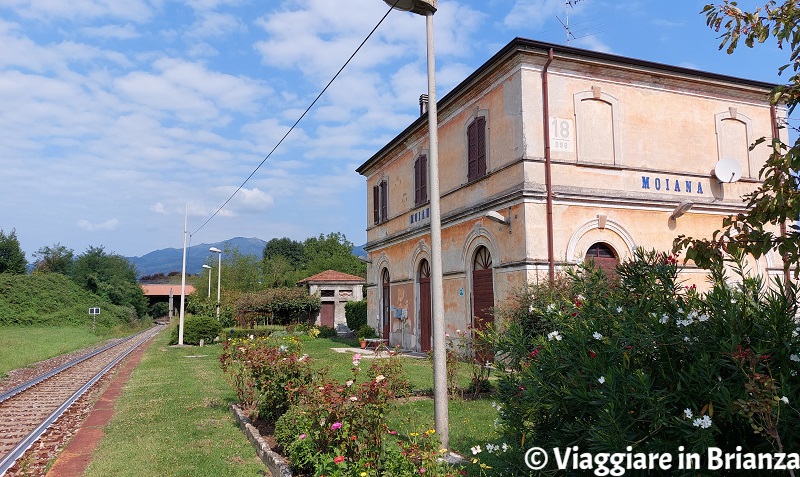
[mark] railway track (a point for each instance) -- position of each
(29, 409)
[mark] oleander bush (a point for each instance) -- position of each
(640, 360)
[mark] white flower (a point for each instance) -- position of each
(458, 331)
(619, 309)
(687, 413)
(601, 379)
(505, 447)
(554, 335)
(251, 337)
(476, 450)
(597, 335)
(785, 399)
(491, 448)
(283, 348)
(353, 398)
(703, 423)
(379, 378)
(703, 317)
(794, 357)
(664, 318)
(551, 307)
(530, 308)
(349, 382)
(685, 338)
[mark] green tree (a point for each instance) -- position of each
(287, 248)
(777, 199)
(55, 259)
(240, 273)
(12, 258)
(111, 276)
(331, 252)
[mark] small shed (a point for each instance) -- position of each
(334, 289)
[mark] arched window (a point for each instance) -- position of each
(603, 257)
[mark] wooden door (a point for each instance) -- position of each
(603, 257)
(386, 304)
(326, 314)
(424, 306)
(482, 298)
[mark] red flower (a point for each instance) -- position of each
(534, 353)
(353, 438)
(592, 354)
(338, 459)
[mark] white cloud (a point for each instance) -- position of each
(134, 10)
(110, 224)
(120, 32)
(533, 13)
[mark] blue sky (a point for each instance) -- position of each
(116, 115)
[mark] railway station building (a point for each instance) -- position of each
(637, 153)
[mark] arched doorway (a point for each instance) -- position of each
(385, 304)
(482, 288)
(603, 256)
(482, 297)
(424, 278)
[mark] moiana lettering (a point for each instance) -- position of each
(672, 185)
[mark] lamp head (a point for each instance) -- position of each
(206, 266)
(215, 250)
(492, 215)
(420, 7)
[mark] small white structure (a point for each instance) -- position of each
(334, 289)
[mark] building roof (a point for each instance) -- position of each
(564, 53)
(332, 276)
(163, 289)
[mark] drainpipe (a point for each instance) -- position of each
(776, 137)
(551, 256)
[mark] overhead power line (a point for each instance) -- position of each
(296, 122)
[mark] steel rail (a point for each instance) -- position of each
(43, 377)
(10, 459)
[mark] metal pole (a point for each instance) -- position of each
(183, 279)
(440, 397)
(219, 280)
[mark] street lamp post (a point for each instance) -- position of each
(207, 267)
(440, 398)
(219, 274)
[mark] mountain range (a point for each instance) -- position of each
(171, 259)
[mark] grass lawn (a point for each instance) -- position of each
(21, 346)
(173, 418)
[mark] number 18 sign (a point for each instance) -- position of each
(561, 136)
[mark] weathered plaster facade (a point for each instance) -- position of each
(630, 141)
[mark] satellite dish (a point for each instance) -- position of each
(728, 170)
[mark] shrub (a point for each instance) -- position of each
(366, 332)
(327, 332)
(196, 328)
(355, 313)
(345, 420)
(651, 364)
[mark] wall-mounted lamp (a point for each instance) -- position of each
(497, 217)
(681, 209)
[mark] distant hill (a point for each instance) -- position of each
(171, 259)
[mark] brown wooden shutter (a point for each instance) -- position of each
(420, 180)
(423, 179)
(417, 191)
(384, 201)
(480, 132)
(472, 153)
(376, 204)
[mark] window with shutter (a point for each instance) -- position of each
(384, 201)
(376, 204)
(476, 149)
(420, 180)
